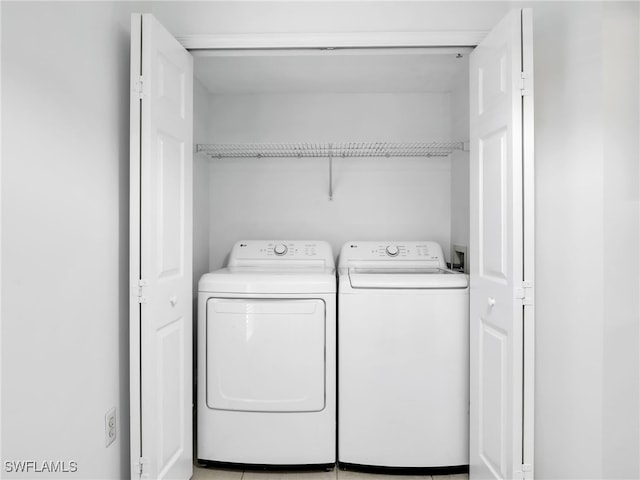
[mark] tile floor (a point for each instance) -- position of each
(200, 473)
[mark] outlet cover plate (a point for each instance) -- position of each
(110, 427)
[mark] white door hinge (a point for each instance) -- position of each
(524, 83)
(138, 86)
(141, 286)
(138, 467)
(525, 293)
(527, 471)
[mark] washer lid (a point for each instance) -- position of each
(410, 278)
(266, 280)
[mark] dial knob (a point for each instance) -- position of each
(392, 250)
(280, 249)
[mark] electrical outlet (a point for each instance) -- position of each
(110, 427)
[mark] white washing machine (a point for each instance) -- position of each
(267, 356)
(403, 358)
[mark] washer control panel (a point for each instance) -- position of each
(246, 252)
(426, 251)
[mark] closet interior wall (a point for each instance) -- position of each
(201, 192)
(373, 198)
(460, 163)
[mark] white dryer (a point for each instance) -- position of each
(403, 358)
(267, 356)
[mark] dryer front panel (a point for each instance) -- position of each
(265, 355)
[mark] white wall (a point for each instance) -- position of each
(569, 242)
(586, 109)
(65, 157)
(621, 158)
(188, 17)
(394, 198)
(330, 117)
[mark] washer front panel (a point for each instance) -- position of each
(404, 378)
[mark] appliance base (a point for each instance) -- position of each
(327, 467)
(439, 470)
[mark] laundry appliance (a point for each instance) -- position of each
(267, 356)
(403, 354)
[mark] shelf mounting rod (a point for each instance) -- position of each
(330, 171)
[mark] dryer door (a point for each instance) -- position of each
(265, 355)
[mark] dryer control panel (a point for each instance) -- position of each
(254, 252)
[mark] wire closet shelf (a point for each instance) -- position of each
(330, 150)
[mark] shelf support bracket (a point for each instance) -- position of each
(330, 171)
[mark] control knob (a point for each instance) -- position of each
(392, 250)
(280, 249)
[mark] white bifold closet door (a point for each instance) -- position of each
(501, 252)
(161, 253)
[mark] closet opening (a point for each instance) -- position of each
(329, 143)
(338, 145)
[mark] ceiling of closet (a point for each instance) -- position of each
(331, 71)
